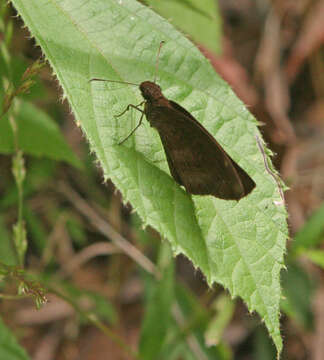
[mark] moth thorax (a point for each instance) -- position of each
(150, 91)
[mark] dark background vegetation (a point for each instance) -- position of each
(273, 58)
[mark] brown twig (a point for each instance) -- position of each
(107, 230)
(48, 344)
(91, 251)
(318, 342)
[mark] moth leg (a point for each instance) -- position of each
(131, 106)
(136, 127)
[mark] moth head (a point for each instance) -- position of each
(150, 90)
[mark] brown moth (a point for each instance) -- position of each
(196, 160)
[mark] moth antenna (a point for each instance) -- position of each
(157, 60)
(114, 81)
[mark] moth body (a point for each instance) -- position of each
(195, 158)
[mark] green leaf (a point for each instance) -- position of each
(38, 135)
(37, 177)
(9, 348)
(263, 348)
(99, 304)
(312, 233)
(224, 307)
(199, 19)
(36, 229)
(316, 256)
(195, 319)
(7, 252)
(76, 230)
(158, 313)
(237, 244)
(298, 291)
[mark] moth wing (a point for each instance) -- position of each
(172, 168)
(195, 158)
